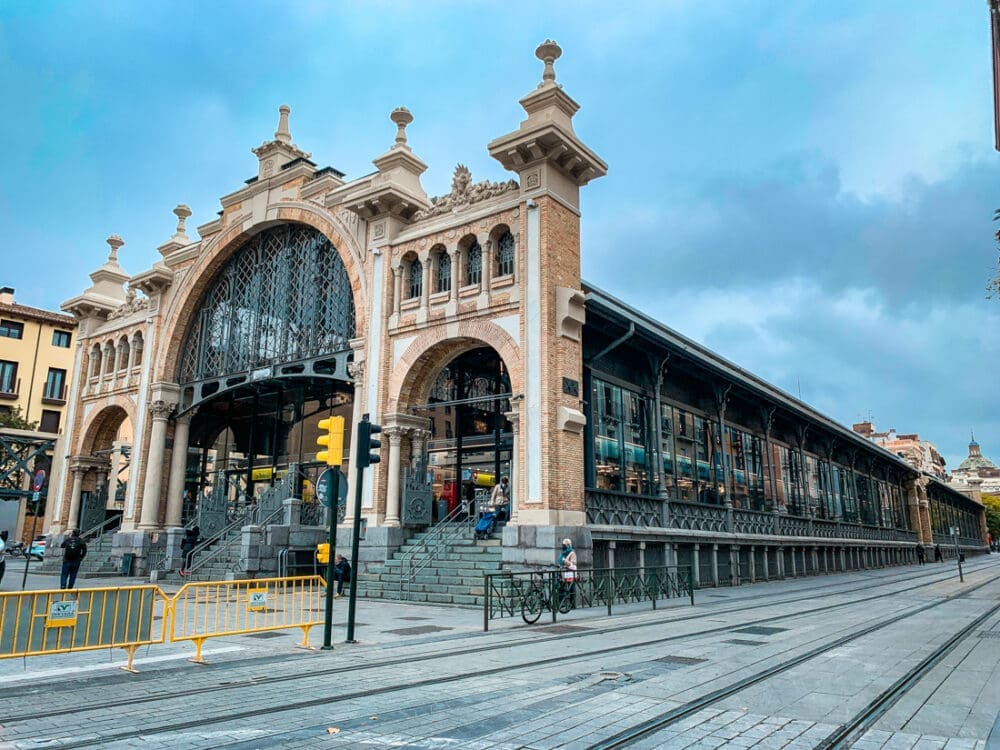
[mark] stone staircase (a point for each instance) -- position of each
(451, 572)
(224, 562)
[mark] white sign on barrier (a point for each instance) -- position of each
(257, 599)
(61, 614)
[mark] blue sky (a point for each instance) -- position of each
(807, 187)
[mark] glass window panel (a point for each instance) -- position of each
(607, 435)
(8, 377)
(416, 280)
(474, 264)
(444, 273)
(11, 329)
(61, 338)
(505, 254)
(687, 483)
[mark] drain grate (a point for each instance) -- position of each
(989, 633)
(417, 630)
(265, 634)
(761, 630)
(744, 642)
(413, 618)
(565, 629)
(679, 660)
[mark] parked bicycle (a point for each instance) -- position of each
(540, 594)
(17, 550)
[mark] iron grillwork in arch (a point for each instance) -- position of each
(284, 296)
(474, 266)
(505, 254)
(444, 273)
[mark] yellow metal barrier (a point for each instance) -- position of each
(33, 623)
(219, 608)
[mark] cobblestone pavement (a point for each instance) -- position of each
(428, 677)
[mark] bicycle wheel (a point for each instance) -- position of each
(565, 598)
(532, 606)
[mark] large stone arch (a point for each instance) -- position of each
(221, 248)
(413, 375)
(101, 427)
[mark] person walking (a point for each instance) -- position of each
(567, 565)
(74, 550)
(3, 553)
(500, 500)
(341, 573)
(920, 554)
(938, 555)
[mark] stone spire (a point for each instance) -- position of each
(402, 117)
(183, 213)
(107, 292)
(282, 134)
(545, 151)
(397, 191)
(548, 52)
(276, 154)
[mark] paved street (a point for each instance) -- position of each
(428, 677)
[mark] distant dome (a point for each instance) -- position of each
(976, 459)
(974, 463)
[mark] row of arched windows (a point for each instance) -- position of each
(113, 357)
(498, 260)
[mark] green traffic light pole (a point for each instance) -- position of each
(362, 458)
(332, 494)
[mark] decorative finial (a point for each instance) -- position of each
(402, 117)
(548, 52)
(182, 212)
(282, 134)
(115, 242)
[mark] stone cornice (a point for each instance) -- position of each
(280, 178)
(551, 142)
(466, 215)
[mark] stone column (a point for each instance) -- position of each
(767, 565)
(151, 488)
(356, 370)
(397, 289)
(715, 565)
(425, 281)
(795, 571)
(696, 565)
(395, 437)
(753, 564)
(515, 474)
(489, 259)
(73, 521)
(457, 270)
(178, 468)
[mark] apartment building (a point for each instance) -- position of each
(36, 361)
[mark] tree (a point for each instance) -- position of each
(13, 419)
(992, 503)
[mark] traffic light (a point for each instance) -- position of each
(367, 444)
(333, 441)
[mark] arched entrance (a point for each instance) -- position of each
(265, 357)
(103, 469)
(471, 442)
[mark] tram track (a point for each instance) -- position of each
(849, 731)
(328, 700)
(936, 577)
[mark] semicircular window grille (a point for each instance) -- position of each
(284, 296)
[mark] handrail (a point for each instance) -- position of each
(446, 530)
(225, 543)
(101, 527)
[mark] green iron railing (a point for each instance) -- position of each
(533, 593)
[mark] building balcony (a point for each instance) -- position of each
(54, 396)
(10, 391)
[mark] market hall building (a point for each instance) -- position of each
(461, 325)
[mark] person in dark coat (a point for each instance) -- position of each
(74, 550)
(188, 543)
(341, 573)
(920, 554)
(938, 556)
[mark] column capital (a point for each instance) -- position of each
(357, 372)
(513, 417)
(186, 417)
(161, 410)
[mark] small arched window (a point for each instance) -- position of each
(123, 354)
(474, 264)
(95, 361)
(505, 254)
(137, 347)
(415, 286)
(443, 272)
(109, 358)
